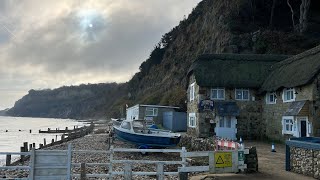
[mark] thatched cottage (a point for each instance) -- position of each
(223, 97)
(292, 98)
(252, 96)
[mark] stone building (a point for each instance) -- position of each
(255, 96)
(223, 97)
(292, 97)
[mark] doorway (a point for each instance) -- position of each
(303, 126)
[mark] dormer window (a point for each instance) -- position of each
(288, 95)
(271, 98)
(217, 94)
(242, 94)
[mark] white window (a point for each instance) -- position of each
(287, 125)
(151, 111)
(217, 93)
(242, 94)
(191, 92)
(192, 120)
(288, 94)
(271, 98)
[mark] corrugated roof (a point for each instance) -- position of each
(295, 71)
(233, 70)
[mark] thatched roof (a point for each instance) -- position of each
(233, 70)
(295, 71)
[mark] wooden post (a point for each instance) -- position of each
(83, 171)
(30, 131)
(52, 141)
(8, 160)
(30, 147)
(34, 145)
(21, 156)
(66, 128)
(25, 146)
(40, 146)
(44, 141)
(127, 171)
(160, 174)
(56, 137)
(110, 165)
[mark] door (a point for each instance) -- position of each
(303, 126)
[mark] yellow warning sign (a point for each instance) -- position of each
(223, 159)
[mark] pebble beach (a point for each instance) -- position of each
(98, 141)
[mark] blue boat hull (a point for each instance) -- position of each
(151, 141)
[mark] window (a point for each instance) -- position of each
(288, 94)
(126, 125)
(288, 126)
(221, 122)
(192, 120)
(151, 111)
(271, 98)
(217, 93)
(191, 92)
(228, 122)
(225, 122)
(242, 94)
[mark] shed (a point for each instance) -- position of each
(175, 121)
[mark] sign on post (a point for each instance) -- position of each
(223, 159)
(240, 155)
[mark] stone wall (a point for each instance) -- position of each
(197, 144)
(305, 161)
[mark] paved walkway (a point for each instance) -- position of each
(271, 166)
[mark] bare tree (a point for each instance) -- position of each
(303, 20)
(272, 13)
(292, 15)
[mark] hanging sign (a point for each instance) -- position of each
(206, 105)
(223, 159)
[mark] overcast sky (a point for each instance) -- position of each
(48, 44)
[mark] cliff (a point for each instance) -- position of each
(214, 26)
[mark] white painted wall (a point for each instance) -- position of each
(133, 112)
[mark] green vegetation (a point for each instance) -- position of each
(219, 26)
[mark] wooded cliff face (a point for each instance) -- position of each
(214, 26)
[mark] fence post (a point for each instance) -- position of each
(160, 174)
(110, 165)
(32, 160)
(183, 176)
(69, 161)
(83, 171)
(127, 171)
(183, 158)
(8, 160)
(44, 141)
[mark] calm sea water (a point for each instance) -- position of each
(19, 131)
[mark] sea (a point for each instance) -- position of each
(16, 130)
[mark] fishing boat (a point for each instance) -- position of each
(137, 132)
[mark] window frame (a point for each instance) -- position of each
(194, 124)
(217, 89)
(192, 92)
(284, 94)
(288, 121)
(242, 92)
(153, 110)
(268, 98)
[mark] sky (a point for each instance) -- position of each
(47, 44)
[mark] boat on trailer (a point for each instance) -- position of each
(139, 133)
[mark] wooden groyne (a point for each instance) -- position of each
(57, 130)
(72, 134)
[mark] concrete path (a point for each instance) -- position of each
(271, 166)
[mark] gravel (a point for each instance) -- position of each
(99, 142)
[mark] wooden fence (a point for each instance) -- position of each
(46, 164)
